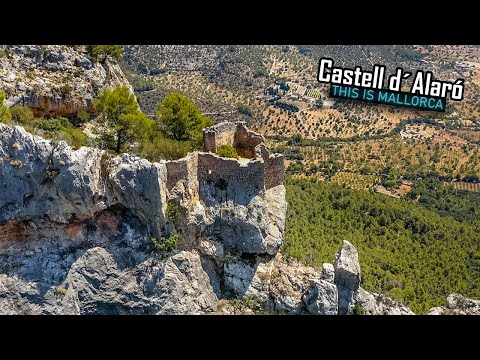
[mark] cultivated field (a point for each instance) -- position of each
(462, 185)
(354, 180)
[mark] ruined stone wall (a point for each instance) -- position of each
(274, 167)
(248, 144)
(245, 141)
(235, 134)
(224, 174)
(176, 170)
(218, 135)
(63, 211)
(182, 169)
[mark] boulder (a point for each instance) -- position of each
(457, 304)
(376, 304)
(328, 272)
(249, 279)
(288, 282)
(321, 298)
(347, 267)
(185, 287)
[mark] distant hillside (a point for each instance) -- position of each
(229, 75)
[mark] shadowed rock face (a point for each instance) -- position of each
(347, 276)
(321, 298)
(103, 265)
(347, 267)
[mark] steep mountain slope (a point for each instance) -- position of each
(76, 230)
(55, 79)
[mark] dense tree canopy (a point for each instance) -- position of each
(122, 123)
(5, 116)
(180, 119)
(415, 253)
(123, 127)
(178, 131)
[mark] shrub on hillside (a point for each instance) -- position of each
(62, 129)
(160, 148)
(227, 151)
(22, 114)
(5, 116)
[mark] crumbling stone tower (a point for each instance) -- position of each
(237, 205)
(249, 145)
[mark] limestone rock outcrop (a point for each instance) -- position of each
(55, 79)
(76, 230)
(114, 271)
(75, 227)
(39, 179)
(378, 304)
(321, 298)
(337, 291)
(289, 281)
(347, 276)
(457, 304)
(347, 267)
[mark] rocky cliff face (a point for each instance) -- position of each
(55, 79)
(76, 228)
(298, 289)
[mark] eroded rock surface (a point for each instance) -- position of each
(457, 304)
(55, 80)
(75, 228)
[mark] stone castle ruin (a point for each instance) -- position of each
(235, 134)
(261, 172)
(233, 194)
(239, 204)
(249, 145)
(82, 238)
(224, 213)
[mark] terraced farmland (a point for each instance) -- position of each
(314, 93)
(354, 180)
(462, 185)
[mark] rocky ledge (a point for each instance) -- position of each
(457, 304)
(82, 232)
